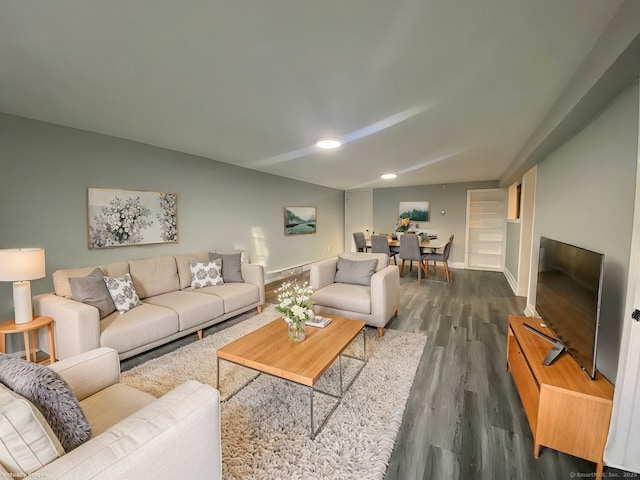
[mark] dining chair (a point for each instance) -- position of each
(441, 257)
(380, 244)
(410, 250)
(358, 239)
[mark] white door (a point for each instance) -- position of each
(358, 215)
(623, 448)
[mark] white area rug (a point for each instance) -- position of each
(265, 426)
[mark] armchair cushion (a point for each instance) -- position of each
(352, 298)
(28, 443)
(51, 395)
(356, 272)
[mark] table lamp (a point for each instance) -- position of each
(19, 265)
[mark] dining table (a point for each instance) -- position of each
(426, 246)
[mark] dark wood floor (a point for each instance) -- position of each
(464, 419)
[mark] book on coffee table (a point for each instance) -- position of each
(319, 322)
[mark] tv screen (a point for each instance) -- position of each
(568, 298)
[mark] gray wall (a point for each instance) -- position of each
(452, 199)
(45, 171)
(585, 196)
(512, 255)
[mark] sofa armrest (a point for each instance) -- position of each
(385, 294)
(90, 372)
(254, 273)
(176, 436)
(322, 273)
(76, 326)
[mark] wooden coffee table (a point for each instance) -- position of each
(269, 350)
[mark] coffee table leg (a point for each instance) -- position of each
(313, 432)
(218, 373)
(341, 389)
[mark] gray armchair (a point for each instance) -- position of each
(375, 303)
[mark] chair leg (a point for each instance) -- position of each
(402, 267)
(380, 332)
(419, 272)
(446, 271)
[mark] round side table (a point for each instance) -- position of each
(29, 332)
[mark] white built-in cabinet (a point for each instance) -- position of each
(486, 229)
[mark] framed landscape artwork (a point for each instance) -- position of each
(119, 218)
(415, 211)
(299, 220)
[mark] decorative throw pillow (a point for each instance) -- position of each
(357, 272)
(28, 442)
(231, 272)
(51, 395)
(206, 274)
(93, 291)
(123, 292)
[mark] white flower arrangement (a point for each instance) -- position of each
(294, 302)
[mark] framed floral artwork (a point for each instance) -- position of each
(299, 220)
(119, 218)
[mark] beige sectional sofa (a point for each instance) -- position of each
(170, 308)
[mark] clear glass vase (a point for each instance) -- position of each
(297, 331)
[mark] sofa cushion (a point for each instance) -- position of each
(142, 325)
(184, 271)
(123, 292)
(61, 277)
(93, 291)
(231, 263)
(344, 296)
(206, 274)
(154, 276)
(192, 308)
(51, 395)
(110, 405)
(28, 443)
(234, 295)
(356, 272)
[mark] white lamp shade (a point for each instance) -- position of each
(18, 264)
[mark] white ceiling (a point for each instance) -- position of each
(438, 91)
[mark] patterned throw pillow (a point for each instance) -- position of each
(206, 274)
(123, 292)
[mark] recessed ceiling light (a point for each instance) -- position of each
(328, 143)
(388, 176)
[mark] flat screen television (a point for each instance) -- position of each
(568, 298)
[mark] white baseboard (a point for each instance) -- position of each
(530, 311)
(511, 280)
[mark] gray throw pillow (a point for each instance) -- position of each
(231, 272)
(357, 272)
(51, 395)
(93, 291)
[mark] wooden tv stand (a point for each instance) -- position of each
(566, 410)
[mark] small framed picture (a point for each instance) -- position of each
(299, 220)
(414, 211)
